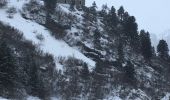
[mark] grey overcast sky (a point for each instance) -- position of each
(151, 15)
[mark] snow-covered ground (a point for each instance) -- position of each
(3, 98)
(32, 98)
(29, 98)
(167, 97)
(113, 98)
(30, 30)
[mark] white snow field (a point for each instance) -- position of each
(3, 98)
(30, 30)
(29, 98)
(113, 98)
(167, 97)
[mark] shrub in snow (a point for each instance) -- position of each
(40, 37)
(61, 60)
(35, 11)
(11, 11)
(3, 3)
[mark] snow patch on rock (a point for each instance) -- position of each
(166, 97)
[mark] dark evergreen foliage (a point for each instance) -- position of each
(97, 37)
(163, 50)
(3, 3)
(94, 4)
(146, 47)
(85, 72)
(72, 5)
(7, 67)
(130, 73)
(93, 11)
(120, 13)
(130, 29)
(112, 19)
(120, 52)
(50, 5)
(103, 12)
(20, 64)
(126, 16)
(99, 81)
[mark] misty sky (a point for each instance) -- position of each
(151, 15)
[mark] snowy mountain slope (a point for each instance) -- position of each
(109, 77)
(31, 29)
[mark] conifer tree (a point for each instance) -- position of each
(94, 5)
(98, 81)
(93, 8)
(97, 36)
(85, 72)
(121, 13)
(153, 51)
(85, 75)
(125, 16)
(50, 6)
(7, 66)
(93, 11)
(146, 47)
(34, 80)
(113, 17)
(163, 50)
(111, 21)
(103, 12)
(72, 4)
(129, 72)
(120, 52)
(130, 29)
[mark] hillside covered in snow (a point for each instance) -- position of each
(52, 51)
